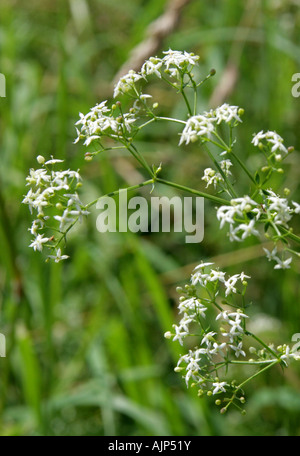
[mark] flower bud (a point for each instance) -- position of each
(40, 159)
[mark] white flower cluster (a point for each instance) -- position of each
(100, 121)
(210, 313)
(51, 192)
(194, 309)
(212, 177)
(272, 140)
(172, 64)
(238, 209)
(244, 214)
(204, 125)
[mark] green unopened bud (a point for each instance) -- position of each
(280, 171)
(264, 169)
(241, 112)
(218, 402)
(286, 191)
(59, 206)
(260, 146)
(212, 72)
(155, 105)
(209, 393)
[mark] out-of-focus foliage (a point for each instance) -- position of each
(85, 347)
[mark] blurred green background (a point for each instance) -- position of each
(85, 348)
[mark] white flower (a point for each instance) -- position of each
(230, 284)
(272, 138)
(219, 387)
(58, 257)
(225, 166)
(297, 207)
(180, 334)
(36, 225)
(37, 177)
(203, 265)
(258, 137)
(223, 315)
(227, 113)
(216, 275)
(199, 125)
(199, 277)
(64, 219)
(271, 255)
(53, 161)
(238, 349)
(216, 349)
(208, 338)
(238, 315)
(248, 229)
(283, 264)
(152, 66)
(179, 59)
(192, 304)
(126, 82)
(211, 177)
(37, 243)
(279, 206)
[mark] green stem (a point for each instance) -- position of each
(116, 192)
(243, 167)
(172, 120)
(289, 234)
(257, 373)
(262, 343)
(135, 153)
(213, 198)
